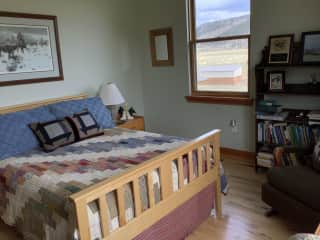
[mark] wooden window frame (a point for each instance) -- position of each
(237, 98)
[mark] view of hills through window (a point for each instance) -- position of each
(222, 64)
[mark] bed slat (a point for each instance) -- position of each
(137, 199)
(121, 206)
(200, 173)
(190, 166)
(83, 219)
(208, 156)
(150, 189)
(104, 216)
(181, 172)
(166, 180)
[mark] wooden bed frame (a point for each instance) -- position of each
(170, 200)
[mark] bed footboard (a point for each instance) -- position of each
(207, 151)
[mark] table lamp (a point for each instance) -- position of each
(111, 97)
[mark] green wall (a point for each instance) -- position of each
(97, 46)
(164, 88)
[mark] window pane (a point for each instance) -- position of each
(223, 66)
(221, 18)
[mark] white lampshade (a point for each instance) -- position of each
(111, 95)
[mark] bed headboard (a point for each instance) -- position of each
(26, 106)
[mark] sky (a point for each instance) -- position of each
(214, 10)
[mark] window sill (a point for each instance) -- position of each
(220, 100)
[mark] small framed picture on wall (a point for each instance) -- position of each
(280, 49)
(311, 48)
(276, 81)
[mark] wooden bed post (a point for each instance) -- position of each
(217, 161)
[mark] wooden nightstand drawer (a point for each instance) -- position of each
(135, 124)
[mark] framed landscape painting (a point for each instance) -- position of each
(311, 48)
(29, 49)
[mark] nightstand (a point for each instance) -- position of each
(135, 124)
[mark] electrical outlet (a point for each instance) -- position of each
(234, 126)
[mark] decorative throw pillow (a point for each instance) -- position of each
(316, 157)
(84, 125)
(54, 134)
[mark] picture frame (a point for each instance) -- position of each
(161, 47)
(29, 49)
(311, 48)
(280, 49)
(276, 81)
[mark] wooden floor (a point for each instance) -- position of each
(243, 212)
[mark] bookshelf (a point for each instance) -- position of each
(295, 128)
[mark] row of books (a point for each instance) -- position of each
(314, 118)
(284, 134)
(289, 159)
(265, 159)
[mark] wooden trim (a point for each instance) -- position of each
(58, 48)
(219, 39)
(170, 200)
(248, 158)
(220, 94)
(220, 100)
(27, 106)
(169, 34)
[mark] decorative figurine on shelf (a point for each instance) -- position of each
(132, 112)
(124, 113)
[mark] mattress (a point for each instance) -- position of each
(36, 186)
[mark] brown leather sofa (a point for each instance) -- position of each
(294, 191)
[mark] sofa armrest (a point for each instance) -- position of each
(300, 151)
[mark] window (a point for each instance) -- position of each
(219, 47)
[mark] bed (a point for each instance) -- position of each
(122, 185)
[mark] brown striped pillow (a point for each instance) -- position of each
(85, 125)
(54, 134)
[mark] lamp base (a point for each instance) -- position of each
(114, 112)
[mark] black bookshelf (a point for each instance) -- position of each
(290, 90)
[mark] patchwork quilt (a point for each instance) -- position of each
(34, 188)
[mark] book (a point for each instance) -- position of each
(287, 134)
(267, 156)
(265, 162)
(273, 117)
(314, 115)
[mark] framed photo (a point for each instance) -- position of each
(29, 49)
(161, 47)
(280, 49)
(311, 47)
(276, 81)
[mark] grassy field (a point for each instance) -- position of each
(213, 57)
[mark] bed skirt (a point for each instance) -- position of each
(183, 220)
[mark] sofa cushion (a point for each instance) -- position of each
(93, 105)
(16, 136)
(299, 183)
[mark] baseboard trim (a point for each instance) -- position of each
(247, 158)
